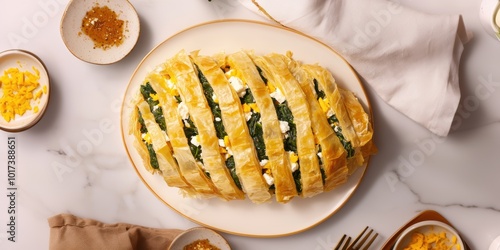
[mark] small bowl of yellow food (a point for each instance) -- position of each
(429, 235)
(24, 90)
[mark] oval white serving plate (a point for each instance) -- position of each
(242, 217)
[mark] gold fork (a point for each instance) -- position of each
(358, 243)
(342, 245)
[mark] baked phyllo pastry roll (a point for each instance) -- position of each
(239, 124)
(330, 151)
(292, 110)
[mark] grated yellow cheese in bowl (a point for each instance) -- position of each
(21, 91)
(432, 241)
(429, 235)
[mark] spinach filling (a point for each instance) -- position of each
(323, 173)
(219, 126)
(232, 169)
(148, 92)
(290, 141)
(255, 130)
(214, 106)
(255, 127)
(296, 177)
(285, 114)
(152, 154)
(334, 123)
(190, 130)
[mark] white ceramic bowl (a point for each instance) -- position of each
(199, 233)
(490, 17)
(25, 61)
(82, 46)
(427, 227)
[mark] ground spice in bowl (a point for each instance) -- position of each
(203, 244)
(102, 25)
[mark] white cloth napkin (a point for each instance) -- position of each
(411, 59)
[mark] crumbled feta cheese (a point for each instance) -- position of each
(186, 123)
(248, 115)
(156, 107)
(294, 167)
(320, 155)
(263, 162)
(217, 119)
(183, 110)
(269, 179)
(329, 112)
(284, 127)
(194, 141)
(278, 96)
(336, 129)
(221, 143)
(238, 85)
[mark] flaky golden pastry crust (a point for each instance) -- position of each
(244, 125)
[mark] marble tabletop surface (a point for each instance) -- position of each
(457, 176)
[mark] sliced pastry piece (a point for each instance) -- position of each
(187, 153)
(142, 142)
(291, 108)
(263, 124)
(228, 120)
(193, 92)
(331, 152)
(361, 123)
(332, 101)
(166, 163)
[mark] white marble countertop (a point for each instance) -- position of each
(458, 176)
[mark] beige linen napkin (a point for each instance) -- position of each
(72, 232)
(409, 58)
